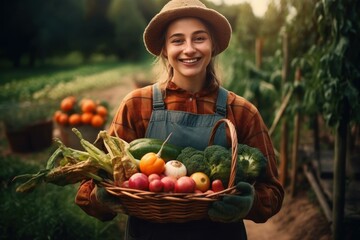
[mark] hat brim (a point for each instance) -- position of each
(153, 34)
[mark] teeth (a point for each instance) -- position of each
(189, 60)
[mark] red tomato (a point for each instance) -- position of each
(217, 185)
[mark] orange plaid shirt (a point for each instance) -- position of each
(133, 116)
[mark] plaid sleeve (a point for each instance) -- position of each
(251, 130)
(133, 115)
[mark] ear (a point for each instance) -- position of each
(164, 52)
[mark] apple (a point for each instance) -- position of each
(156, 185)
(169, 183)
(185, 184)
(154, 176)
(202, 181)
(139, 181)
(217, 185)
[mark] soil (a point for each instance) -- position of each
(299, 218)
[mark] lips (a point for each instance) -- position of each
(189, 61)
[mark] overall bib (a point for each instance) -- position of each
(193, 130)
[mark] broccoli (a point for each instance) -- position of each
(215, 161)
(194, 161)
(251, 161)
(220, 160)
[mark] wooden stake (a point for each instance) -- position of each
(284, 126)
(295, 146)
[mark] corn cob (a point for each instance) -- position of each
(111, 146)
(129, 167)
(95, 153)
(74, 173)
(118, 171)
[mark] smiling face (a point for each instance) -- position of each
(188, 49)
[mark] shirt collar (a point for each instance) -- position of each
(209, 89)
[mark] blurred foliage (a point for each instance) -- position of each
(48, 212)
(334, 61)
(38, 30)
(29, 96)
(57, 82)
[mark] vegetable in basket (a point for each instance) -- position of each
(215, 161)
(153, 162)
(139, 147)
(68, 166)
(194, 161)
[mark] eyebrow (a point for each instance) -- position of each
(194, 33)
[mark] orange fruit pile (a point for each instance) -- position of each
(83, 112)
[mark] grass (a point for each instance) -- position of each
(49, 212)
(56, 82)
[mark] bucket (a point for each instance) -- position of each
(31, 138)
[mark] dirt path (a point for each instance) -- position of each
(298, 219)
(115, 94)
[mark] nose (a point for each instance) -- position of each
(189, 48)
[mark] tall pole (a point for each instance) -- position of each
(295, 147)
(284, 126)
(340, 174)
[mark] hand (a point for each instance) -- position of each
(105, 199)
(233, 208)
(91, 199)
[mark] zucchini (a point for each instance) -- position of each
(139, 147)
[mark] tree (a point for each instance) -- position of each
(129, 25)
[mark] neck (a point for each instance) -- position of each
(193, 85)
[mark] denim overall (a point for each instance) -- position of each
(193, 130)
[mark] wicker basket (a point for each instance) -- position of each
(174, 207)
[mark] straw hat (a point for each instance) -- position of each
(175, 9)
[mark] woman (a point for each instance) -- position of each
(186, 36)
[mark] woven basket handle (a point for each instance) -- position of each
(234, 146)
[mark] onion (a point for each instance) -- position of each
(175, 169)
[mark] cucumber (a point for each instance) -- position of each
(139, 147)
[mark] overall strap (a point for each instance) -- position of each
(158, 102)
(221, 102)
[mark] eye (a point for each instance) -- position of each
(177, 41)
(199, 39)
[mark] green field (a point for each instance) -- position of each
(49, 212)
